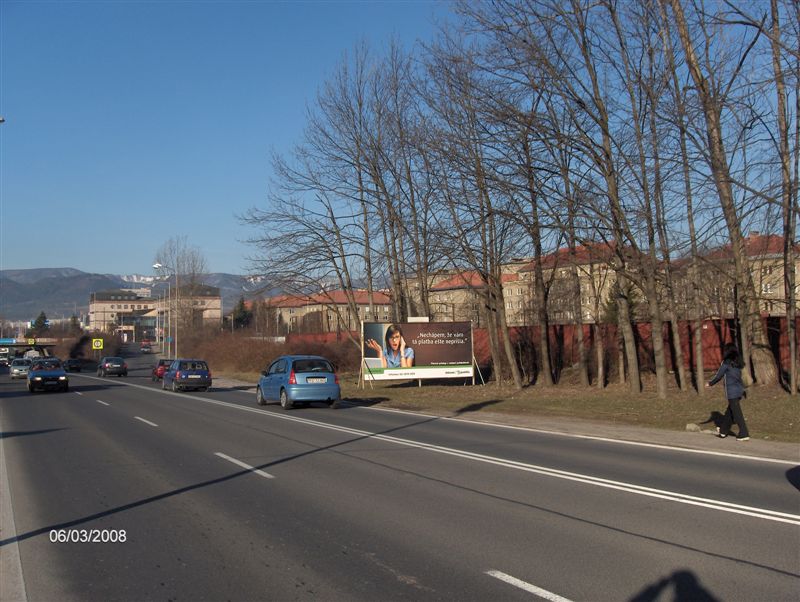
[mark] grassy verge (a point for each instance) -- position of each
(770, 412)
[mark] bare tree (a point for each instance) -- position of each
(713, 97)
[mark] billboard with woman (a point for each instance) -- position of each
(416, 350)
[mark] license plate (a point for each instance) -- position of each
(315, 381)
(194, 376)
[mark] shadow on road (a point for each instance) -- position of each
(684, 585)
(10, 434)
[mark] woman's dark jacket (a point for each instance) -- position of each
(734, 387)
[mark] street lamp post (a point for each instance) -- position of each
(158, 266)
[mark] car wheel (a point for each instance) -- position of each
(334, 404)
(65, 388)
(175, 387)
(99, 374)
(286, 403)
(163, 385)
(260, 397)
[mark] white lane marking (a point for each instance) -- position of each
(77, 393)
(257, 471)
(762, 513)
(688, 450)
(524, 585)
(146, 421)
(103, 402)
(12, 584)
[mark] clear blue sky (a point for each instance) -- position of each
(128, 123)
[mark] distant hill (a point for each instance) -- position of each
(66, 291)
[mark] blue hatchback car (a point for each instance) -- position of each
(184, 374)
(292, 379)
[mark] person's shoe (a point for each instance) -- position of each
(743, 438)
(717, 430)
(721, 435)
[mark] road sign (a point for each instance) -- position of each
(31, 341)
(97, 343)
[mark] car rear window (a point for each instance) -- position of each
(312, 366)
(193, 366)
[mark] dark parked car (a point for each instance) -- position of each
(184, 374)
(291, 379)
(160, 368)
(112, 365)
(73, 364)
(47, 374)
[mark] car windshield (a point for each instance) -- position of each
(21, 363)
(312, 365)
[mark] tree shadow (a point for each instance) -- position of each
(9, 434)
(210, 482)
(477, 407)
(684, 584)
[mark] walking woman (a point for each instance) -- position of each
(731, 371)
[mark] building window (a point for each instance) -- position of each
(766, 270)
(125, 306)
(766, 288)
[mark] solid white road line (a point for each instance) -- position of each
(688, 450)
(77, 393)
(762, 513)
(103, 402)
(524, 585)
(266, 475)
(146, 421)
(12, 583)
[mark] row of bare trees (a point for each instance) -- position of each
(661, 128)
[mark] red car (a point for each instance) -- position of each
(161, 367)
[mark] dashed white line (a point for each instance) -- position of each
(77, 393)
(146, 421)
(103, 402)
(266, 475)
(528, 587)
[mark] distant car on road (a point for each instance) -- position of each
(184, 374)
(145, 348)
(47, 374)
(160, 368)
(19, 368)
(112, 365)
(291, 379)
(73, 364)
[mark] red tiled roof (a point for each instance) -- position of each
(584, 254)
(469, 279)
(755, 245)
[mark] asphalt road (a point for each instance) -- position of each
(207, 496)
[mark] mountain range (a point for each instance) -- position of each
(63, 292)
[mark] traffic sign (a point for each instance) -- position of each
(97, 343)
(31, 341)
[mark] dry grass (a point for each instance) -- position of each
(770, 412)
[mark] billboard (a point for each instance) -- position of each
(416, 350)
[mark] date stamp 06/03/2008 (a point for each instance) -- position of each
(88, 536)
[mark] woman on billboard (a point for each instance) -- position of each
(394, 354)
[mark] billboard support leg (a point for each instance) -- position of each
(475, 363)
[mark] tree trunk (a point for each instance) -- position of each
(755, 345)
